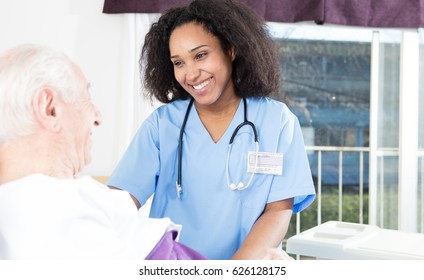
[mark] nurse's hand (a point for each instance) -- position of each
(276, 254)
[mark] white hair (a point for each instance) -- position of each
(24, 70)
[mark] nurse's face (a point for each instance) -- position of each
(201, 66)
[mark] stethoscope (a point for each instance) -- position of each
(232, 186)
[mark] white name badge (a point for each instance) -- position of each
(268, 163)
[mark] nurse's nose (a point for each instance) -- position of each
(193, 72)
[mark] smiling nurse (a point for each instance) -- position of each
(221, 157)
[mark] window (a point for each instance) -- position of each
(347, 87)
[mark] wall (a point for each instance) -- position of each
(93, 40)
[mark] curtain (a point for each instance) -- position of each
(371, 13)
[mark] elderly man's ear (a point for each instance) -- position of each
(45, 107)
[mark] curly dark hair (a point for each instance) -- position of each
(255, 68)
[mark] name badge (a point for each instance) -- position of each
(268, 163)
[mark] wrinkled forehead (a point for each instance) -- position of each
(82, 81)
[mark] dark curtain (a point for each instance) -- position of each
(372, 13)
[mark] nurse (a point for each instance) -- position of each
(221, 157)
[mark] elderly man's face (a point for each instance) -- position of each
(79, 120)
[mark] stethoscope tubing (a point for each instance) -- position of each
(180, 149)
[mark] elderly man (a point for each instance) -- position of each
(47, 118)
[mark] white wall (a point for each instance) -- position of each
(90, 38)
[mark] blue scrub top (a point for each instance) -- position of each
(215, 219)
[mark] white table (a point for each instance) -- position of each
(351, 241)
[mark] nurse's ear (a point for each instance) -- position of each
(232, 54)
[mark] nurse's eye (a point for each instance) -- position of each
(201, 55)
(177, 63)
